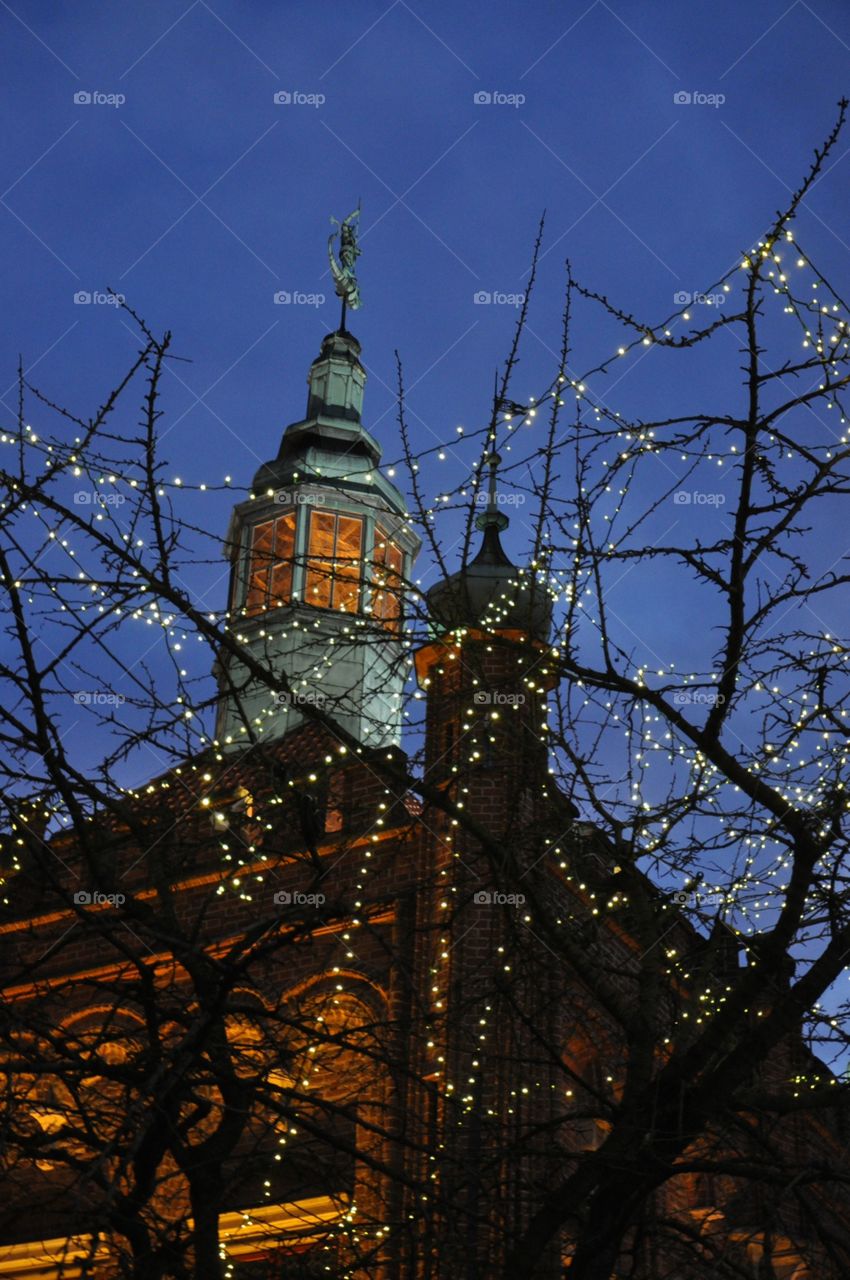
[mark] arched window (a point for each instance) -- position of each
(592, 1071)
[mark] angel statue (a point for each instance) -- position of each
(343, 271)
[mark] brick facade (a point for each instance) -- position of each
(429, 1065)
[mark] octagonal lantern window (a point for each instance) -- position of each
(271, 560)
(337, 561)
(387, 578)
(334, 561)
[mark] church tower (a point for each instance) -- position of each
(486, 670)
(321, 553)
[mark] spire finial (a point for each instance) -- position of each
(491, 517)
(345, 280)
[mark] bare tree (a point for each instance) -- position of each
(538, 993)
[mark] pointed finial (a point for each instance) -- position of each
(491, 517)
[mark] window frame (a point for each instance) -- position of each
(326, 567)
(273, 563)
(390, 588)
(373, 579)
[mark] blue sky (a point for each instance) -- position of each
(186, 187)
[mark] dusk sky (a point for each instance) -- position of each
(214, 141)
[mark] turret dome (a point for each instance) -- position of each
(491, 593)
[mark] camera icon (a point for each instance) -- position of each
(82, 298)
(682, 298)
(682, 98)
(482, 98)
(482, 897)
(283, 98)
(82, 498)
(282, 298)
(481, 697)
(82, 98)
(482, 297)
(681, 898)
(283, 898)
(682, 498)
(82, 898)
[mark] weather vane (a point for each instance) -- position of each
(345, 279)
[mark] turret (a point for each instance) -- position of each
(320, 554)
(486, 670)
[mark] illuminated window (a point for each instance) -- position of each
(270, 573)
(333, 561)
(592, 1089)
(388, 563)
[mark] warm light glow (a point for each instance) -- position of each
(333, 566)
(270, 570)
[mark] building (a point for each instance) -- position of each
(276, 1006)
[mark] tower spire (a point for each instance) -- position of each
(492, 521)
(491, 591)
(321, 552)
(491, 517)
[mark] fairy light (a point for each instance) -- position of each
(802, 744)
